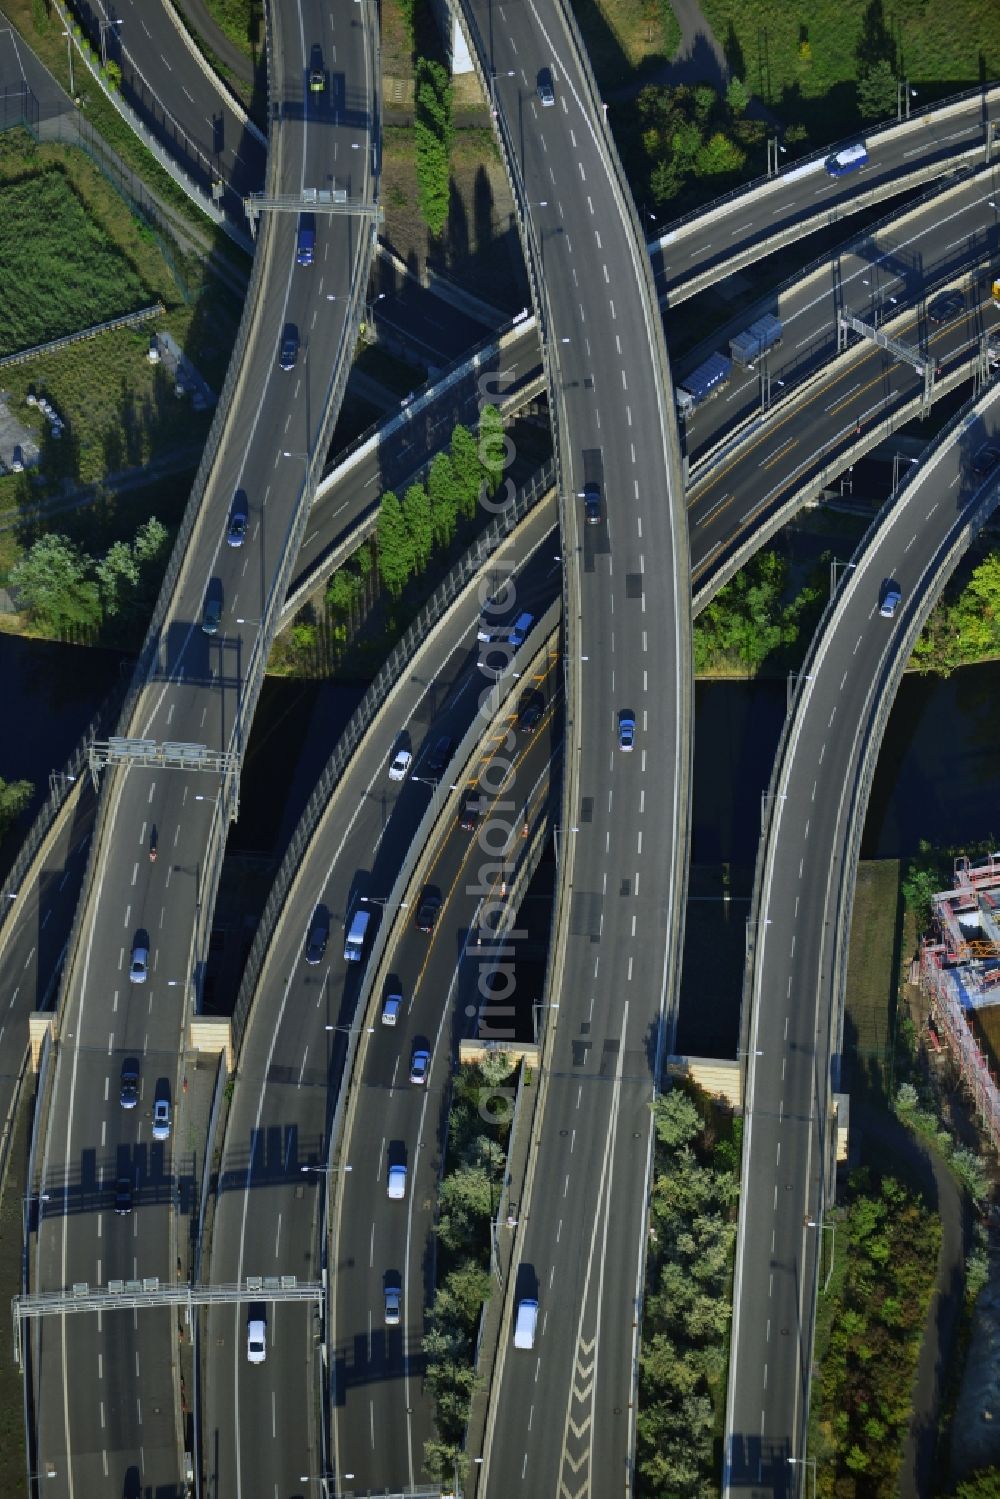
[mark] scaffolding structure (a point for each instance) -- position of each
(960, 972)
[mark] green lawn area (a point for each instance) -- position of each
(240, 20)
(626, 39)
(872, 972)
(792, 54)
(59, 271)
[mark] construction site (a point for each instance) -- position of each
(960, 972)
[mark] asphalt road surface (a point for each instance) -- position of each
(796, 984)
(269, 1213)
(107, 1402)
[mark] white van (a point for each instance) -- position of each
(525, 1324)
(354, 943)
(396, 1183)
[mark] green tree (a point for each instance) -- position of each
(719, 156)
(445, 494)
(737, 96)
(985, 1484)
(53, 582)
(417, 515)
(466, 470)
(118, 578)
(151, 541)
(14, 798)
(677, 1120)
(432, 128)
(877, 88)
(469, 1284)
(492, 447)
(395, 556)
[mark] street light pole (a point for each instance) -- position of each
(805, 1462)
(69, 55)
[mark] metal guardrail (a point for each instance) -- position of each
(721, 567)
(130, 320)
(874, 132)
(871, 734)
(132, 118)
(798, 279)
(398, 662)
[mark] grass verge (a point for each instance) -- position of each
(873, 973)
(803, 62)
(60, 272)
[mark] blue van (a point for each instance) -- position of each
(849, 159)
(306, 246)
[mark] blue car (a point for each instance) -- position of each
(889, 599)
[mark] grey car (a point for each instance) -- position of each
(211, 613)
(128, 1094)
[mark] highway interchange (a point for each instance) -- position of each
(91, 1430)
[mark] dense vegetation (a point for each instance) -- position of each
(59, 271)
(70, 595)
(821, 76)
(887, 1248)
(14, 797)
(964, 624)
(468, 1197)
(433, 132)
(688, 1298)
(753, 622)
(428, 515)
(241, 20)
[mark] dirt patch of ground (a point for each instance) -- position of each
(480, 249)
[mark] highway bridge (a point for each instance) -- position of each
(799, 932)
(105, 947)
(193, 689)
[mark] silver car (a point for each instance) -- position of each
(161, 1119)
(139, 968)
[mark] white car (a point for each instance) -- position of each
(256, 1341)
(391, 1006)
(400, 767)
(161, 1119)
(396, 1184)
(392, 1306)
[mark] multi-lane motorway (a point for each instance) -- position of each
(806, 877)
(96, 1431)
(106, 1391)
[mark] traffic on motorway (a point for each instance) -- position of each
(320, 1160)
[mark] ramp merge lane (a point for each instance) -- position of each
(107, 1395)
(629, 650)
(801, 930)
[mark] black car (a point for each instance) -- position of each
(469, 811)
(945, 306)
(319, 932)
(592, 504)
(289, 351)
(123, 1196)
(532, 708)
(440, 755)
(128, 1095)
(427, 912)
(985, 461)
